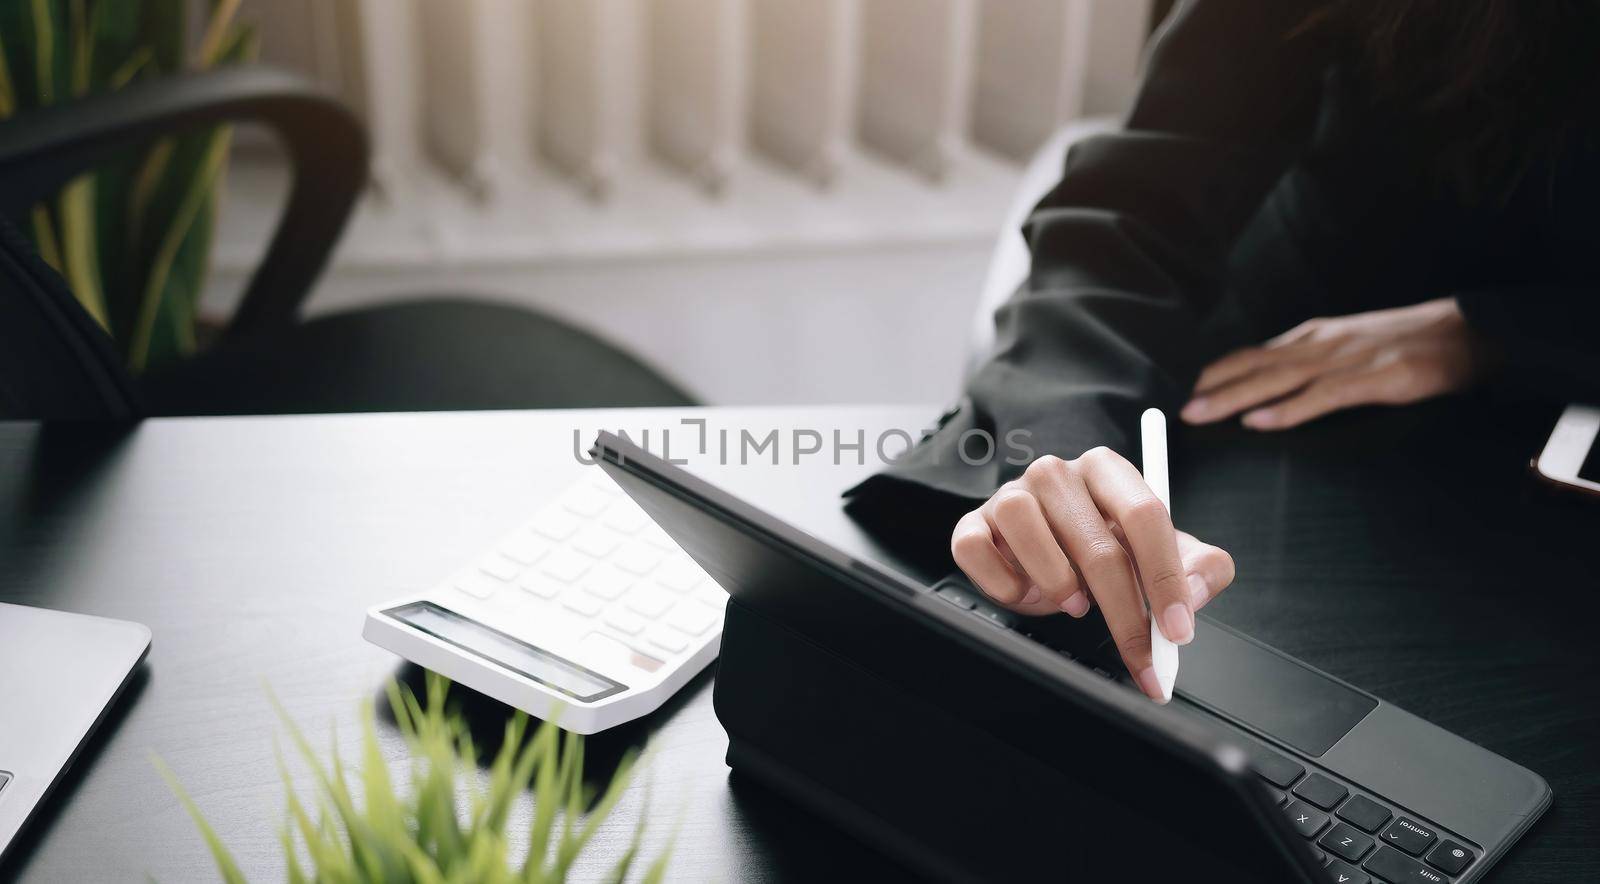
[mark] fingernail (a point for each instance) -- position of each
(1196, 409)
(1261, 418)
(1150, 684)
(1031, 596)
(1076, 605)
(1199, 592)
(1177, 623)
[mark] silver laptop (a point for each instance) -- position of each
(59, 673)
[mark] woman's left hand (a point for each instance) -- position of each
(1390, 357)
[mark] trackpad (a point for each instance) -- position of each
(1268, 691)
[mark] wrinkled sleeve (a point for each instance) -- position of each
(1546, 334)
(1129, 258)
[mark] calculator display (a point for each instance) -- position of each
(537, 664)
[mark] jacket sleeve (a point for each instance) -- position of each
(1546, 334)
(1129, 258)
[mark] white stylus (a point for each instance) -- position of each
(1153, 440)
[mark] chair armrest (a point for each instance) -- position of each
(327, 147)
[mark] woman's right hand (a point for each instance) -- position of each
(1071, 533)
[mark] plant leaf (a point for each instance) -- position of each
(219, 852)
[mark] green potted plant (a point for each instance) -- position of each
(438, 830)
(133, 239)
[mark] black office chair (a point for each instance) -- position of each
(422, 355)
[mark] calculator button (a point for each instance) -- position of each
(711, 595)
(541, 586)
(476, 584)
(1450, 857)
(1321, 791)
(636, 558)
(956, 597)
(1345, 841)
(653, 534)
(1307, 820)
(692, 619)
(607, 582)
(624, 620)
(680, 574)
(626, 518)
(1344, 873)
(564, 565)
(499, 567)
(582, 602)
(1364, 813)
(586, 502)
(555, 525)
(596, 542)
(1395, 867)
(648, 602)
(667, 639)
(525, 547)
(1276, 769)
(1409, 836)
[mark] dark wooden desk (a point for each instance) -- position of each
(1406, 553)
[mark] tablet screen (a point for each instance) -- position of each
(1590, 471)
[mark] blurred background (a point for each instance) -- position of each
(766, 200)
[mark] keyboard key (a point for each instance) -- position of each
(1364, 813)
(624, 620)
(1344, 873)
(1276, 769)
(711, 595)
(998, 616)
(636, 558)
(564, 565)
(1409, 836)
(1321, 791)
(476, 584)
(582, 602)
(690, 619)
(653, 535)
(1450, 857)
(607, 582)
(1307, 820)
(669, 640)
(541, 586)
(555, 525)
(586, 502)
(648, 602)
(1396, 868)
(956, 597)
(680, 574)
(1278, 798)
(525, 547)
(625, 518)
(597, 542)
(1345, 841)
(499, 567)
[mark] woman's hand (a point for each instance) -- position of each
(1390, 357)
(1071, 532)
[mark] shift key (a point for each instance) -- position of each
(1396, 868)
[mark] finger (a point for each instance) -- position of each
(1208, 569)
(972, 546)
(1017, 516)
(1234, 365)
(1323, 396)
(1249, 391)
(1107, 570)
(1121, 493)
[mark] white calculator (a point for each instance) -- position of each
(589, 613)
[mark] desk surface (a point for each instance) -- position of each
(251, 546)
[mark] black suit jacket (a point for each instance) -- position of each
(1254, 185)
